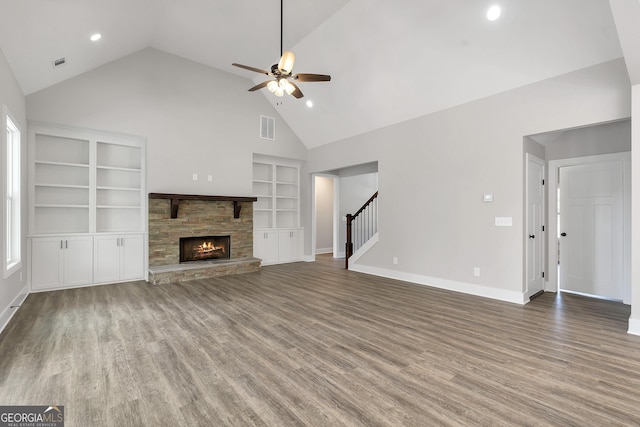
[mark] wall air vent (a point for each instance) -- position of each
(58, 62)
(267, 128)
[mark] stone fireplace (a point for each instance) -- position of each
(176, 220)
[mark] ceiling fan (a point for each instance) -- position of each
(283, 73)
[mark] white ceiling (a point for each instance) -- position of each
(390, 61)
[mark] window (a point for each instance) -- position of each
(12, 261)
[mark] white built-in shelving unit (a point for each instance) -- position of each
(276, 213)
(85, 184)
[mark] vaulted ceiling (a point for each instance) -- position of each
(390, 60)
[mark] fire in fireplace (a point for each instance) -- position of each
(204, 248)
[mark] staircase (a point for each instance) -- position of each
(361, 226)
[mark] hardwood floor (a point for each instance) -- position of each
(313, 344)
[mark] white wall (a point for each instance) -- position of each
(324, 214)
(196, 119)
(433, 171)
(634, 320)
(12, 289)
(606, 138)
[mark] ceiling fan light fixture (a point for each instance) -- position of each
(272, 86)
(286, 62)
(279, 92)
(289, 89)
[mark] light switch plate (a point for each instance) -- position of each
(504, 221)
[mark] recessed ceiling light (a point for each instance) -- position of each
(309, 103)
(96, 37)
(494, 13)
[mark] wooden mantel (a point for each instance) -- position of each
(175, 201)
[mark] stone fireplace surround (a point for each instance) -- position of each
(198, 216)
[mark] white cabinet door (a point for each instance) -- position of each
(78, 260)
(119, 258)
(57, 262)
(265, 246)
(289, 245)
(46, 263)
(107, 259)
(132, 257)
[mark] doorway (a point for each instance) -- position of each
(535, 228)
(325, 190)
(591, 236)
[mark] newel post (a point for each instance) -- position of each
(349, 245)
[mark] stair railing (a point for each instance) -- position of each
(361, 226)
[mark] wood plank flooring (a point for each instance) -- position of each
(312, 344)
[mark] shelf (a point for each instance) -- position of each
(82, 187)
(118, 207)
(73, 165)
(136, 189)
(175, 201)
(61, 206)
(114, 168)
(276, 182)
(85, 181)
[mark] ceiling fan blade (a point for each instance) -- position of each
(297, 93)
(304, 77)
(259, 86)
(246, 67)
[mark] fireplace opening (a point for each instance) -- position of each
(205, 248)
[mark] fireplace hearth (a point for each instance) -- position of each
(205, 248)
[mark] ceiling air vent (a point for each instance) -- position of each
(58, 62)
(267, 128)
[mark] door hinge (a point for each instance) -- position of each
(543, 274)
(543, 182)
(543, 228)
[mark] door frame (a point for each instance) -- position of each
(545, 219)
(552, 240)
(336, 218)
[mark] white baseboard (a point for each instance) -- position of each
(634, 326)
(450, 285)
(8, 312)
(309, 258)
(324, 251)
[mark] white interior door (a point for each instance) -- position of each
(535, 225)
(591, 229)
